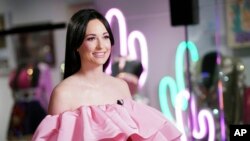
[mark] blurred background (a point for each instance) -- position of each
(194, 52)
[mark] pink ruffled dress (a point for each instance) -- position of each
(126, 120)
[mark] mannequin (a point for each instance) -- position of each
(31, 87)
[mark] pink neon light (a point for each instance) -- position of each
(221, 106)
(220, 89)
(203, 116)
(200, 130)
(114, 12)
(144, 53)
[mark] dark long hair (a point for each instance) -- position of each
(76, 31)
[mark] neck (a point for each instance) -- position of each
(92, 73)
(91, 77)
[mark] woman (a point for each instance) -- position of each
(90, 105)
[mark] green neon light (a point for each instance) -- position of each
(193, 51)
(179, 85)
(179, 65)
(167, 82)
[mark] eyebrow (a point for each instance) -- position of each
(95, 34)
(90, 35)
(105, 33)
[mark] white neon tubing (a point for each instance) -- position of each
(144, 53)
(203, 116)
(114, 12)
(111, 13)
(179, 113)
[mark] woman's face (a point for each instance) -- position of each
(96, 46)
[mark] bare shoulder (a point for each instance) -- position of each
(121, 85)
(60, 98)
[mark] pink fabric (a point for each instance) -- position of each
(110, 122)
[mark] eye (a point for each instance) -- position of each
(106, 37)
(90, 38)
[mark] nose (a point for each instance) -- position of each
(101, 44)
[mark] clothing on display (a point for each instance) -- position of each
(31, 87)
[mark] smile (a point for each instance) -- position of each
(99, 54)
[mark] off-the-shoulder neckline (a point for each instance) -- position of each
(107, 104)
(94, 106)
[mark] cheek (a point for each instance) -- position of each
(108, 47)
(109, 50)
(88, 47)
(108, 44)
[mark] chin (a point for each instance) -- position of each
(101, 62)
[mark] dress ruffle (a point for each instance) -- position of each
(111, 122)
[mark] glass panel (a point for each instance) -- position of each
(218, 78)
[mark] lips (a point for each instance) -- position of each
(99, 54)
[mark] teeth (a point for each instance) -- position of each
(99, 54)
